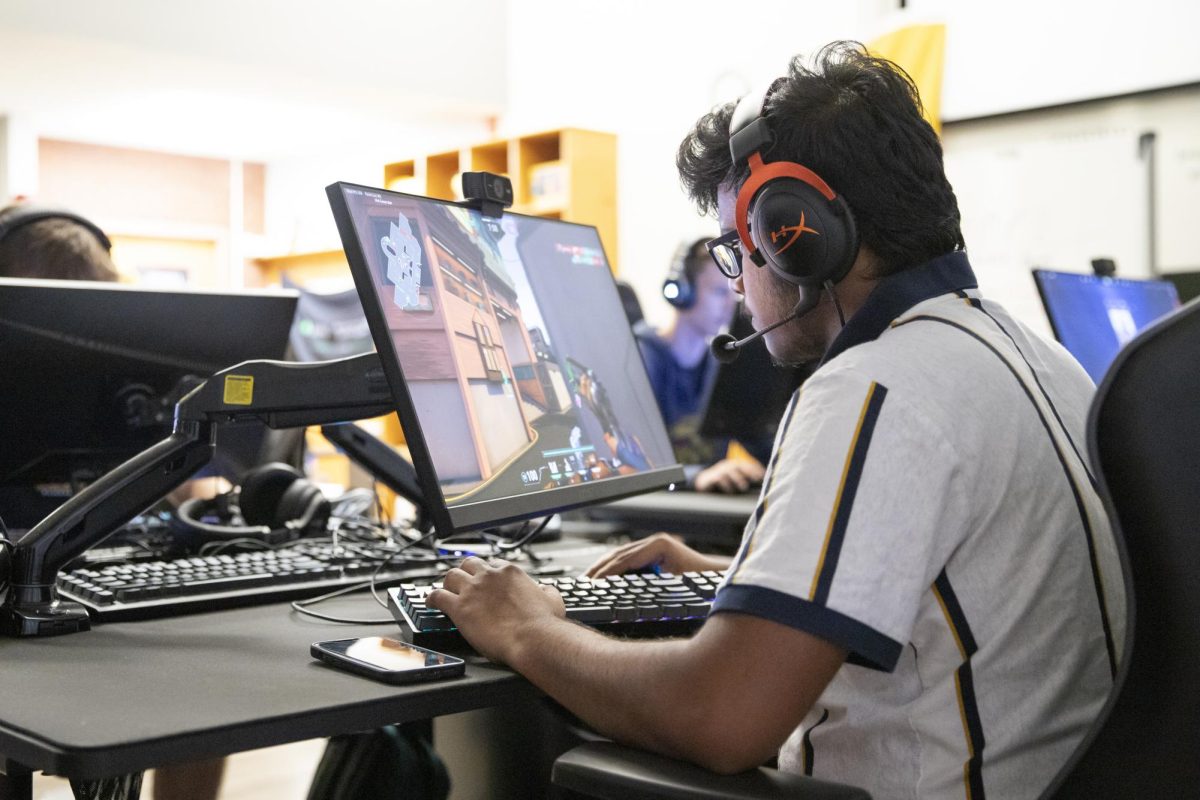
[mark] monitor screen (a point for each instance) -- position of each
(1094, 317)
(518, 383)
(92, 371)
(749, 395)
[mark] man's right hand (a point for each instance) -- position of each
(668, 552)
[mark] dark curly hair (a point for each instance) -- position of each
(855, 120)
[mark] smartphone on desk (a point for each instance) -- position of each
(389, 660)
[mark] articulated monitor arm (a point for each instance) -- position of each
(279, 394)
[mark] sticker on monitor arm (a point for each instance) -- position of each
(239, 390)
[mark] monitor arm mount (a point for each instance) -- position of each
(279, 394)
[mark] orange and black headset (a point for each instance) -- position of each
(26, 214)
(788, 218)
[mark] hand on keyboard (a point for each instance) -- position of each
(655, 606)
(490, 602)
(660, 552)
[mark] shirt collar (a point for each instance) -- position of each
(897, 293)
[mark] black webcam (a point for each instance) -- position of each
(488, 192)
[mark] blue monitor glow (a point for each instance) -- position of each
(516, 377)
(1094, 317)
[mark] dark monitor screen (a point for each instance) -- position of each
(749, 394)
(91, 373)
(518, 383)
(328, 325)
(1094, 317)
(1186, 283)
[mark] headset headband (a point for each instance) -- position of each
(801, 190)
(22, 215)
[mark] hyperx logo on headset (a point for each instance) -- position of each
(796, 231)
(775, 195)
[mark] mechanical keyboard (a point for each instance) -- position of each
(151, 589)
(657, 606)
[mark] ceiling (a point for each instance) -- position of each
(251, 79)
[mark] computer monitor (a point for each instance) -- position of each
(1187, 283)
(516, 378)
(748, 396)
(328, 325)
(90, 373)
(1094, 317)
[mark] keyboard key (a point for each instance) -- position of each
(590, 614)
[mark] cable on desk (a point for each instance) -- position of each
(524, 536)
(301, 606)
(498, 543)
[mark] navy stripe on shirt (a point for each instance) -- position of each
(868, 647)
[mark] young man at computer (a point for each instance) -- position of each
(681, 370)
(927, 602)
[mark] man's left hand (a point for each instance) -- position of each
(491, 604)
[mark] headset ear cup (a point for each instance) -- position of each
(262, 490)
(303, 500)
(677, 287)
(803, 237)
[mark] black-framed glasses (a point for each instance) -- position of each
(726, 251)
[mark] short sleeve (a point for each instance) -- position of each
(858, 509)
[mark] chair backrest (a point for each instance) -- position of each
(1144, 444)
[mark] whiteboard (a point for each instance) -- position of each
(1057, 188)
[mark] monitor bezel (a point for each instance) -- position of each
(447, 519)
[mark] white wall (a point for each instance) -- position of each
(647, 71)
(1017, 54)
(18, 158)
(298, 219)
(1055, 189)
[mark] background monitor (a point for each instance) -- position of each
(1186, 283)
(1094, 317)
(518, 383)
(91, 372)
(328, 325)
(749, 395)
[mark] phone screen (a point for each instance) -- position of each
(389, 654)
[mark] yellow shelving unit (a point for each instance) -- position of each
(567, 174)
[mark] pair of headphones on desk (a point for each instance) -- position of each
(274, 503)
(19, 216)
(788, 218)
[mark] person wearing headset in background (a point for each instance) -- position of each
(52, 244)
(681, 370)
(927, 602)
(49, 244)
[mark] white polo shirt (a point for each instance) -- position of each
(927, 508)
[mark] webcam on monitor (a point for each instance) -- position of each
(487, 192)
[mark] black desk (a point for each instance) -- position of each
(131, 696)
(702, 516)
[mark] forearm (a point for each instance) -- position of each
(717, 562)
(636, 692)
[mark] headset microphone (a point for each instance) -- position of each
(726, 348)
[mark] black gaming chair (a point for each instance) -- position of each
(1144, 445)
